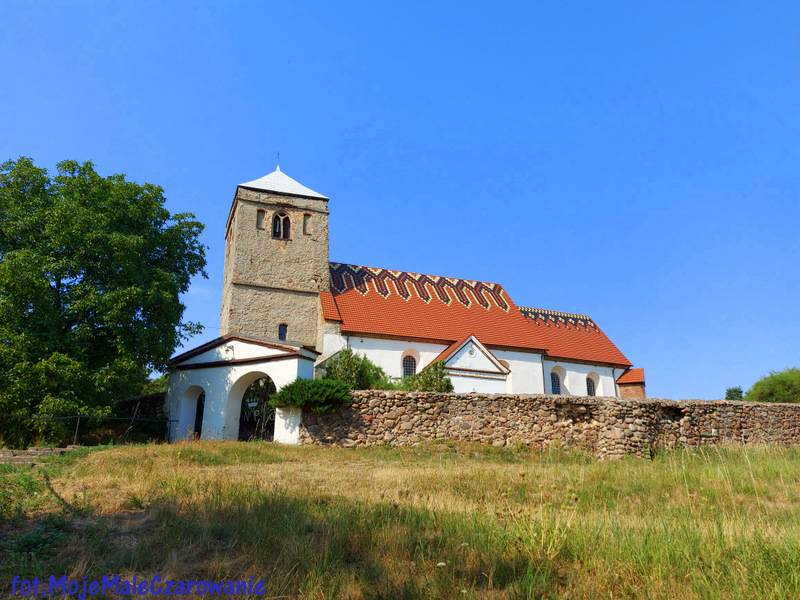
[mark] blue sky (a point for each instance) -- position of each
(634, 161)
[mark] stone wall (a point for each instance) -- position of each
(602, 426)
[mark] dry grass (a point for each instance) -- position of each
(441, 521)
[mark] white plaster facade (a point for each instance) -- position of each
(388, 354)
(524, 373)
(573, 377)
(223, 370)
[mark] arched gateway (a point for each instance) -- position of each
(207, 385)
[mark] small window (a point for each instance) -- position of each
(555, 383)
(283, 329)
(590, 390)
(306, 224)
(260, 216)
(409, 366)
(281, 226)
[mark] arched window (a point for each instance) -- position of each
(590, 388)
(555, 383)
(283, 329)
(307, 224)
(281, 227)
(260, 215)
(409, 366)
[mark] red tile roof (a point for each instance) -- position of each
(385, 303)
(448, 352)
(632, 376)
(575, 337)
(329, 309)
(409, 305)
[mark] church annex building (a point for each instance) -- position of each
(286, 310)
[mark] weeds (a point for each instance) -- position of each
(445, 520)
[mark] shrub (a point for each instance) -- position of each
(320, 395)
(357, 371)
(432, 379)
(781, 386)
(734, 393)
(360, 373)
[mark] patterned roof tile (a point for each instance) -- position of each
(388, 303)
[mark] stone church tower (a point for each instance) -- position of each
(276, 260)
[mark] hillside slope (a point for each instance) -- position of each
(441, 521)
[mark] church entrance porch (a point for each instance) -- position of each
(219, 391)
(256, 416)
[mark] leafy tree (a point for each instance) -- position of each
(734, 393)
(432, 379)
(156, 385)
(356, 370)
(91, 272)
(360, 373)
(320, 395)
(780, 386)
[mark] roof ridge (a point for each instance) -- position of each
(416, 273)
(547, 315)
(556, 313)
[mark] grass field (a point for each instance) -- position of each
(440, 521)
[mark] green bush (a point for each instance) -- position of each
(781, 386)
(360, 373)
(432, 379)
(320, 395)
(734, 393)
(357, 371)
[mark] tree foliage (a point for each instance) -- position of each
(156, 385)
(432, 379)
(780, 386)
(360, 373)
(356, 370)
(91, 273)
(734, 393)
(320, 395)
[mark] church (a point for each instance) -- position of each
(287, 309)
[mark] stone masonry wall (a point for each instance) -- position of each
(605, 427)
(268, 281)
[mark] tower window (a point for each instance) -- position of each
(306, 224)
(409, 366)
(283, 329)
(590, 389)
(281, 226)
(260, 216)
(555, 383)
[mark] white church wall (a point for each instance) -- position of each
(332, 343)
(526, 371)
(464, 384)
(287, 425)
(530, 373)
(232, 350)
(388, 354)
(574, 378)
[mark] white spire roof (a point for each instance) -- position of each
(281, 183)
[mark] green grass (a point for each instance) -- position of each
(443, 520)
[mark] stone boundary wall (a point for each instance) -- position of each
(605, 427)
